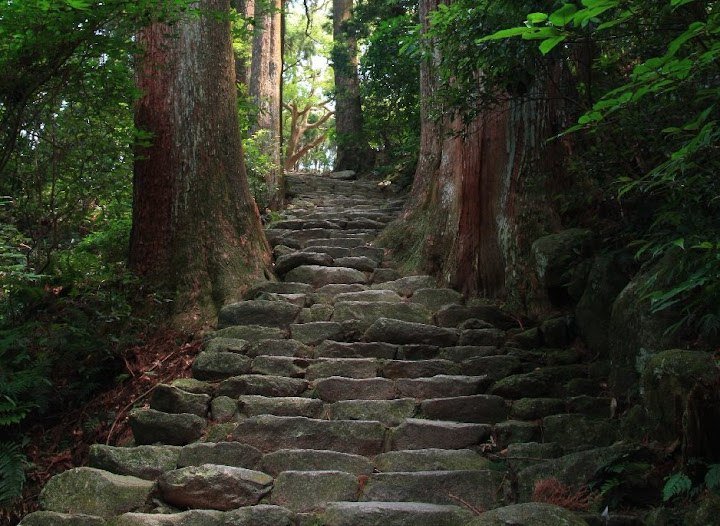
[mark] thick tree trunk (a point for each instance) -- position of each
(265, 89)
(483, 193)
(196, 230)
(353, 152)
(246, 9)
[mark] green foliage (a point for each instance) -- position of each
(676, 485)
(12, 471)
(258, 163)
(647, 111)
(389, 81)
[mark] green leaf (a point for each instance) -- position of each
(505, 33)
(537, 18)
(78, 4)
(676, 485)
(712, 477)
(564, 15)
(547, 45)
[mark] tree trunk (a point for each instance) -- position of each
(246, 9)
(196, 230)
(265, 89)
(353, 152)
(483, 193)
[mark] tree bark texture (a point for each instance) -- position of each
(482, 193)
(353, 152)
(196, 230)
(246, 9)
(265, 90)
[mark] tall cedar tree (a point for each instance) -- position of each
(352, 147)
(265, 89)
(196, 230)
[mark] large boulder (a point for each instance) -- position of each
(556, 256)
(608, 276)
(95, 492)
(680, 391)
(636, 332)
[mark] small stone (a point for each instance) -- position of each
(494, 337)
(223, 453)
(362, 263)
(52, 518)
(193, 385)
(536, 408)
(185, 518)
(481, 488)
(396, 331)
(289, 366)
(441, 386)
(515, 431)
(150, 426)
(316, 332)
(169, 399)
(346, 367)
(263, 385)
(333, 349)
(408, 285)
(258, 312)
(145, 462)
(387, 296)
(314, 460)
(233, 345)
(573, 430)
(219, 365)
(259, 515)
(214, 486)
(435, 299)
(252, 405)
(96, 492)
(251, 333)
(389, 412)
(223, 409)
(392, 514)
(482, 409)
(270, 433)
(382, 275)
(318, 276)
(529, 514)
(310, 490)
(279, 348)
(431, 460)
(522, 455)
(337, 388)
(424, 434)
(285, 264)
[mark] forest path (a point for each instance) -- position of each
(348, 395)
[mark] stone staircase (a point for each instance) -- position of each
(348, 395)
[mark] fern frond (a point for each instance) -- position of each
(12, 471)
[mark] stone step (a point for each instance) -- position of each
(482, 409)
(480, 489)
(432, 459)
(150, 426)
(392, 514)
(145, 462)
(263, 385)
(314, 460)
(258, 312)
(271, 433)
(390, 412)
(254, 405)
(335, 349)
(306, 491)
(289, 366)
(317, 276)
(345, 367)
(170, 399)
(416, 433)
(277, 287)
(368, 312)
(404, 332)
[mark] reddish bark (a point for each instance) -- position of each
(196, 230)
(483, 191)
